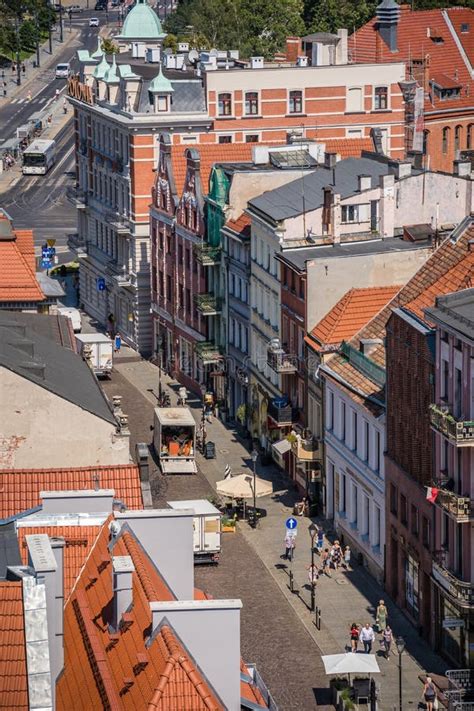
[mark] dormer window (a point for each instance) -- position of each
(464, 27)
(162, 103)
(445, 87)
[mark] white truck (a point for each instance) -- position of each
(97, 350)
(206, 529)
(174, 440)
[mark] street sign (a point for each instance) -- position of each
(100, 281)
(46, 264)
(291, 523)
(450, 623)
(50, 242)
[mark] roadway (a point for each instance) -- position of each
(41, 202)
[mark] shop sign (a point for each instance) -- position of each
(78, 90)
(451, 623)
(437, 574)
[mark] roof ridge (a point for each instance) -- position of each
(132, 546)
(86, 559)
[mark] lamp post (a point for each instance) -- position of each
(254, 456)
(313, 529)
(400, 642)
(203, 417)
(160, 363)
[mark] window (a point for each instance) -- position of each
(377, 451)
(162, 103)
(224, 105)
(331, 411)
(251, 103)
(380, 98)
(444, 379)
(414, 520)
(354, 100)
(457, 392)
(188, 258)
(469, 137)
(457, 137)
(342, 498)
(445, 530)
(376, 534)
(446, 131)
(403, 509)
(425, 532)
(366, 441)
(169, 288)
(251, 138)
(225, 139)
(188, 301)
(393, 500)
(295, 102)
(180, 254)
(354, 506)
(343, 421)
(464, 27)
(354, 430)
(350, 213)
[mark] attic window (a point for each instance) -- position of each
(464, 27)
(437, 40)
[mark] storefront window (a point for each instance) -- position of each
(412, 589)
(450, 633)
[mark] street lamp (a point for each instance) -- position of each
(160, 363)
(203, 417)
(313, 530)
(254, 456)
(400, 643)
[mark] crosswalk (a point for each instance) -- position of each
(25, 100)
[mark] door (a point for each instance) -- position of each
(212, 533)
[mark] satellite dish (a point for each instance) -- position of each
(193, 56)
(213, 53)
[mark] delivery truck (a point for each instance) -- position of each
(174, 440)
(206, 529)
(97, 349)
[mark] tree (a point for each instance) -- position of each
(268, 23)
(331, 15)
(108, 47)
(171, 42)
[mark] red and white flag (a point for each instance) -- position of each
(431, 493)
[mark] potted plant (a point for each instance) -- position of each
(346, 703)
(338, 685)
(228, 524)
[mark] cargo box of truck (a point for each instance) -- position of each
(206, 529)
(174, 440)
(97, 350)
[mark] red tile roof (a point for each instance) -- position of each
(416, 30)
(79, 540)
(210, 154)
(349, 315)
(124, 670)
(13, 673)
(241, 225)
(17, 266)
(349, 147)
(20, 488)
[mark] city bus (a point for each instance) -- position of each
(38, 157)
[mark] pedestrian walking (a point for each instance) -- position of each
(320, 540)
(65, 106)
(347, 558)
(381, 616)
(387, 639)
(313, 575)
(56, 95)
(336, 555)
(23, 69)
(354, 636)
(429, 694)
(117, 342)
(290, 543)
(28, 96)
(326, 558)
(367, 637)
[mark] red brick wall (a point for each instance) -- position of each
(438, 158)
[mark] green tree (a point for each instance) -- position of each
(108, 46)
(331, 15)
(170, 42)
(268, 23)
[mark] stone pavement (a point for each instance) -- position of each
(344, 598)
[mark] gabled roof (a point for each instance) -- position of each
(356, 308)
(47, 364)
(17, 259)
(431, 35)
(209, 155)
(241, 226)
(127, 670)
(20, 488)
(13, 672)
(349, 147)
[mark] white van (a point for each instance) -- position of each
(62, 71)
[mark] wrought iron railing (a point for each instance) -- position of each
(461, 432)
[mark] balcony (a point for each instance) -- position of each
(458, 507)
(207, 255)
(460, 432)
(283, 415)
(208, 352)
(281, 362)
(207, 304)
(461, 591)
(306, 449)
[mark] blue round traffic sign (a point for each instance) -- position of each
(291, 523)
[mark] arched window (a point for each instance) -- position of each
(457, 137)
(446, 132)
(469, 136)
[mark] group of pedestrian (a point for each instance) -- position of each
(367, 634)
(334, 557)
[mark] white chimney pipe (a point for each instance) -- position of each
(122, 571)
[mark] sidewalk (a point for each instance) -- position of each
(344, 598)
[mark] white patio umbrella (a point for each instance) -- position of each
(350, 663)
(241, 487)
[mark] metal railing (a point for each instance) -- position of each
(459, 431)
(281, 362)
(207, 254)
(208, 304)
(283, 415)
(459, 507)
(460, 590)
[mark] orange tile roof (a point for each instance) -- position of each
(13, 673)
(415, 32)
(210, 154)
(350, 314)
(17, 267)
(21, 488)
(241, 225)
(124, 670)
(349, 147)
(79, 540)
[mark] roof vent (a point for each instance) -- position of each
(25, 345)
(36, 369)
(388, 15)
(256, 62)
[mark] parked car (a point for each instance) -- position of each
(100, 5)
(62, 71)
(94, 22)
(73, 8)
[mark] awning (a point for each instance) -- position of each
(350, 663)
(282, 446)
(178, 466)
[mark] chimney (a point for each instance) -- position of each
(206, 628)
(167, 537)
(388, 15)
(57, 546)
(387, 206)
(365, 182)
(462, 168)
(342, 56)
(404, 169)
(256, 62)
(80, 501)
(330, 160)
(367, 345)
(293, 49)
(122, 571)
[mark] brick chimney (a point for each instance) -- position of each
(293, 49)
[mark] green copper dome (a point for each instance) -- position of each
(160, 84)
(142, 23)
(101, 69)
